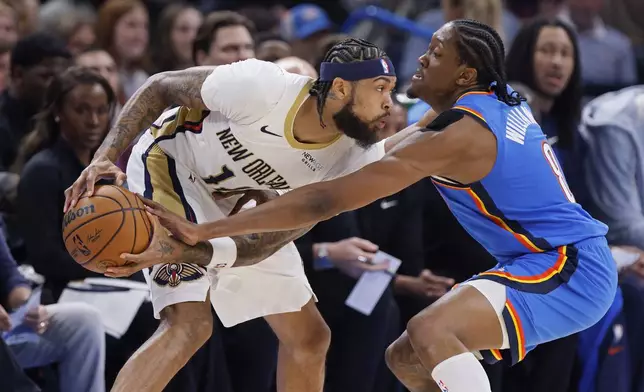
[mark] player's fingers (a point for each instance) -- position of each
(120, 178)
(76, 189)
(119, 272)
(133, 258)
(151, 203)
(92, 177)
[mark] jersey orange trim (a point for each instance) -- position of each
(519, 329)
(471, 111)
(501, 223)
(542, 277)
(496, 354)
(523, 239)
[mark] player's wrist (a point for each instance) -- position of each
(224, 252)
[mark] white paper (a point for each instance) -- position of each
(20, 332)
(117, 309)
(372, 284)
(624, 258)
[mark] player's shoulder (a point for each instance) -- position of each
(254, 68)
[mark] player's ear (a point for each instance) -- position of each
(467, 76)
(340, 88)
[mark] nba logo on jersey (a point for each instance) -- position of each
(385, 66)
(442, 386)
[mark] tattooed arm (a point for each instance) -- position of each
(140, 111)
(251, 249)
(148, 103)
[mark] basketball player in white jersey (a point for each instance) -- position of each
(248, 125)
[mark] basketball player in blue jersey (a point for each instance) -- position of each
(491, 162)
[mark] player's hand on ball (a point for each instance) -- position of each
(162, 249)
(181, 228)
(98, 169)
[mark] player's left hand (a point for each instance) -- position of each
(181, 228)
(163, 249)
(38, 319)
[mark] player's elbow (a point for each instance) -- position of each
(160, 85)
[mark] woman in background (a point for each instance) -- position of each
(122, 30)
(176, 31)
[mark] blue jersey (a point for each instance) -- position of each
(524, 204)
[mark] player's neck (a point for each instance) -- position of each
(447, 102)
(307, 127)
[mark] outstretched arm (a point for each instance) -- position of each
(464, 151)
(148, 103)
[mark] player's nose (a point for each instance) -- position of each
(389, 103)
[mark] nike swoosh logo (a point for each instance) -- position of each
(264, 130)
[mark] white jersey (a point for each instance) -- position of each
(246, 139)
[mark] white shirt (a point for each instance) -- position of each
(246, 140)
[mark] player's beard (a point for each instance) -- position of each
(358, 130)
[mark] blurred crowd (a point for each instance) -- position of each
(67, 67)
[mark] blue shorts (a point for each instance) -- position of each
(553, 294)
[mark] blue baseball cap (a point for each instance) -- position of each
(304, 20)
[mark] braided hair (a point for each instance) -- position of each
(349, 50)
(481, 47)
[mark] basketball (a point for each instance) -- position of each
(102, 227)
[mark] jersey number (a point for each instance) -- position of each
(551, 158)
(225, 174)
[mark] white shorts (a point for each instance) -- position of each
(275, 285)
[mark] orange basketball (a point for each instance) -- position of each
(101, 227)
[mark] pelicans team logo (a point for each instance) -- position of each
(174, 274)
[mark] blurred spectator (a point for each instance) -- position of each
(101, 61)
(303, 27)
(614, 167)
(298, 66)
(544, 58)
(224, 37)
(5, 66)
(68, 130)
(73, 23)
(271, 47)
(489, 12)
(626, 16)
(27, 14)
(335, 254)
(70, 335)
(122, 30)
(529, 9)
(265, 19)
(8, 25)
(176, 31)
(34, 62)
(607, 54)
